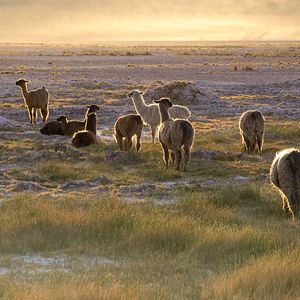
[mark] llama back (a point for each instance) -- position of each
(39, 97)
(285, 169)
(182, 133)
(179, 112)
(151, 115)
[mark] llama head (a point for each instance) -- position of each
(135, 93)
(21, 82)
(164, 102)
(62, 118)
(93, 108)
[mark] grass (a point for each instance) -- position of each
(247, 283)
(59, 171)
(207, 245)
(188, 250)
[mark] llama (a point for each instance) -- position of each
(285, 175)
(88, 136)
(35, 99)
(126, 127)
(150, 113)
(173, 134)
(252, 130)
(71, 126)
(52, 128)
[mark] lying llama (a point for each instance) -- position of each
(285, 175)
(88, 136)
(35, 99)
(150, 113)
(52, 128)
(126, 127)
(252, 130)
(173, 134)
(70, 126)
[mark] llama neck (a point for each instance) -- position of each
(25, 91)
(164, 114)
(64, 122)
(90, 124)
(139, 104)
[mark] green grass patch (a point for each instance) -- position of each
(57, 170)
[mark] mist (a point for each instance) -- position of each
(92, 21)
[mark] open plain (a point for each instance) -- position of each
(98, 223)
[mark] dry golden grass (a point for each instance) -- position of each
(273, 277)
(209, 244)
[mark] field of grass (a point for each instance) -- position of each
(225, 241)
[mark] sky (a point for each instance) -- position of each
(80, 21)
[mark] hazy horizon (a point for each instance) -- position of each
(92, 21)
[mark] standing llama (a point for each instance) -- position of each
(150, 113)
(252, 130)
(285, 175)
(173, 134)
(35, 99)
(125, 128)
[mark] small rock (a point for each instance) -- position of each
(22, 186)
(101, 180)
(76, 185)
(139, 188)
(83, 184)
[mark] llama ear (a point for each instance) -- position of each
(89, 106)
(156, 101)
(170, 103)
(142, 93)
(26, 80)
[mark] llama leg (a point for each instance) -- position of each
(178, 158)
(128, 143)
(259, 143)
(294, 206)
(34, 115)
(119, 140)
(187, 154)
(292, 202)
(30, 114)
(166, 154)
(285, 204)
(153, 132)
(45, 113)
(172, 156)
(252, 143)
(246, 143)
(138, 142)
(252, 147)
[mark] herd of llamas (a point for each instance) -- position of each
(176, 133)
